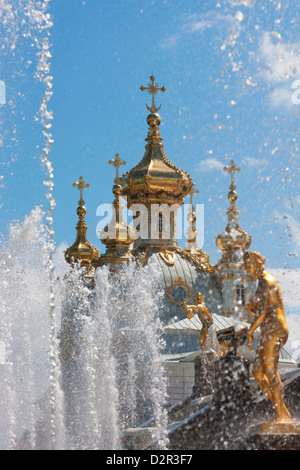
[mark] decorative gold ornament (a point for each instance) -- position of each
(204, 316)
(232, 169)
(267, 310)
(168, 257)
(117, 162)
(81, 250)
(179, 292)
(153, 89)
(200, 259)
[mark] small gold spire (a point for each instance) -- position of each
(81, 250)
(233, 237)
(153, 89)
(117, 162)
(117, 235)
(191, 234)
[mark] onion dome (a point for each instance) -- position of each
(81, 250)
(117, 236)
(155, 179)
(233, 238)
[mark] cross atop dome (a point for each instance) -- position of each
(153, 89)
(117, 162)
(81, 185)
(232, 169)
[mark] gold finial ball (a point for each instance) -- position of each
(81, 211)
(192, 217)
(232, 196)
(153, 120)
(117, 188)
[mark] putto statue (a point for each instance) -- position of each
(268, 311)
(204, 316)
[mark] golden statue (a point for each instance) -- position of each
(204, 316)
(268, 311)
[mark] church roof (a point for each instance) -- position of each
(191, 276)
(193, 326)
(220, 322)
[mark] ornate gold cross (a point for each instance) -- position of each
(81, 185)
(117, 162)
(232, 169)
(153, 89)
(193, 192)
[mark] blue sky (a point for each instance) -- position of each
(228, 68)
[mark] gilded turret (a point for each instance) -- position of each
(155, 187)
(233, 238)
(81, 250)
(236, 284)
(117, 236)
(155, 179)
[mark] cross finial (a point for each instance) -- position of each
(153, 89)
(81, 185)
(193, 192)
(232, 169)
(117, 162)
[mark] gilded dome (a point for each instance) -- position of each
(155, 179)
(182, 276)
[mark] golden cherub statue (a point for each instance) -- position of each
(268, 311)
(204, 316)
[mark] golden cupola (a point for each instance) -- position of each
(233, 238)
(155, 187)
(155, 179)
(81, 250)
(117, 236)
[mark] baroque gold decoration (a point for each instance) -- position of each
(204, 316)
(117, 162)
(267, 310)
(179, 292)
(81, 250)
(168, 257)
(153, 89)
(201, 259)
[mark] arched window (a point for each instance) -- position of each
(160, 222)
(240, 294)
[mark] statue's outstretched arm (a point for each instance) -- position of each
(254, 325)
